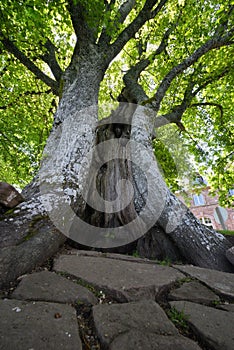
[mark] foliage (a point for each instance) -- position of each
(226, 232)
(178, 318)
(197, 103)
(173, 159)
(166, 262)
(135, 254)
(25, 121)
(27, 104)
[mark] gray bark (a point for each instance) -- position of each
(16, 260)
(181, 236)
(196, 243)
(156, 244)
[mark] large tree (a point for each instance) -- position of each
(159, 64)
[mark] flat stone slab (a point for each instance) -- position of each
(221, 282)
(48, 286)
(137, 325)
(146, 316)
(38, 325)
(136, 340)
(122, 280)
(117, 256)
(195, 292)
(214, 326)
(226, 307)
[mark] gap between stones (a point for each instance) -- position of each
(85, 320)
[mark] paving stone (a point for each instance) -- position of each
(145, 316)
(221, 282)
(214, 326)
(195, 292)
(48, 286)
(122, 280)
(136, 340)
(226, 307)
(38, 325)
(124, 257)
(230, 255)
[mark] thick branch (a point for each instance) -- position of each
(176, 114)
(129, 32)
(84, 32)
(123, 12)
(11, 47)
(133, 88)
(213, 43)
(125, 9)
(131, 77)
(51, 60)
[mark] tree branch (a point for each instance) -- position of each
(50, 58)
(224, 158)
(176, 114)
(145, 14)
(12, 48)
(84, 33)
(123, 12)
(211, 80)
(215, 42)
(108, 4)
(125, 9)
(137, 94)
(132, 88)
(209, 104)
(131, 77)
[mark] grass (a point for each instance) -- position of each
(179, 319)
(136, 254)
(216, 302)
(165, 262)
(226, 232)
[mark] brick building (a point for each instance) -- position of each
(207, 209)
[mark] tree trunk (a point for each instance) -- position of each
(114, 213)
(100, 185)
(156, 244)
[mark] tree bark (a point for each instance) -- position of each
(28, 253)
(174, 233)
(153, 218)
(77, 169)
(196, 243)
(156, 244)
(183, 237)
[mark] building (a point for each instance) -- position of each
(207, 209)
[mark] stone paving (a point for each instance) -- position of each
(90, 300)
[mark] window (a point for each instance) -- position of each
(206, 221)
(198, 199)
(231, 192)
(199, 180)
